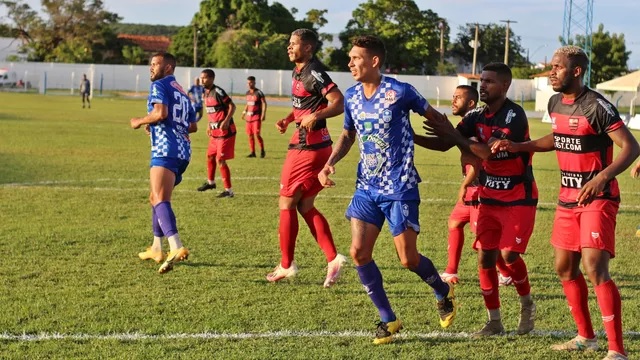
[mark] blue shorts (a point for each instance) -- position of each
(177, 166)
(375, 208)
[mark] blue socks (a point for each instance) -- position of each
(429, 274)
(155, 225)
(166, 218)
(371, 279)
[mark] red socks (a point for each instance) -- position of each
(489, 287)
(226, 176)
(211, 169)
(611, 310)
(520, 276)
(320, 230)
(577, 295)
(454, 250)
(288, 232)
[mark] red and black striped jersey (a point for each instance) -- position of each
(254, 104)
(506, 179)
(583, 146)
(309, 87)
(216, 102)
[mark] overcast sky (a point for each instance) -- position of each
(539, 22)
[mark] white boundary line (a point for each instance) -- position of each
(137, 336)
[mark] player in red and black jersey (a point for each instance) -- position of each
(221, 130)
(585, 127)
(315, 98)
(254, 114)
(508, 193)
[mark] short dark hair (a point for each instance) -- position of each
(210, 73)
(251, 78)
(373, 45)
(472, 91)
(307, 36)
(166, 57)
(502, 69)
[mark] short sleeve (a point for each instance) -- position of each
(348, 125)
(607, 118)
(320, 81)
(157, 94)
(467, 126)
(414, 100)
(261, 96)
(517, 127)
(222, 95)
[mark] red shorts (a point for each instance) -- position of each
(593, 226)
(504, 227)
(300, 171)
(465, 214)
(221, 148)
(253, 127)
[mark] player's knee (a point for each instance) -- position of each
(455, 224)
(410, 262)
(510, 257)
(360, 256)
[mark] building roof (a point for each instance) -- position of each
(629, 82)
(470, 76)
(148, 43)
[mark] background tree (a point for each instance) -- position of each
(609, 55)
(411, 35)
(134, 55)
(246, 48)
(145, 29)
(72, 30)
(216, 17)
(491, 38)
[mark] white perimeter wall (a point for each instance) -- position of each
(272, 82)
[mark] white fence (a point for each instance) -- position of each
(45, 76)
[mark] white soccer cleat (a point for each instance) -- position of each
(334, 269)
(280, 273)
(578, 343)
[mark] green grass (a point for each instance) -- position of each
(74, 213)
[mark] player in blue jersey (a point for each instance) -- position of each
(195, 95)
(169, 120)
(377, 114)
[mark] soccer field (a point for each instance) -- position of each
(74, 213)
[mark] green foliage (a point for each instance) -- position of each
(411, 35)
(134, 55)
(72, 227)
(525, 72)
(145, 29)
(609, 55)
(71, 32)
(491, 49)
(249, 49)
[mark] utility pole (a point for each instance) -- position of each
(195, 45)
(475, 51)
(506, 41)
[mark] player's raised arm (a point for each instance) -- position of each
(543, 144)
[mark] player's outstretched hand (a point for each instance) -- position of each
(503, 145)
(440, 126)
(281, 125)
(635, 170)
(323, 176)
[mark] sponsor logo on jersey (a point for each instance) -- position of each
(296, 102)
(387, 115)
(405, 211)
(376, 140)
(567, 143)
(368, 127)
(553, 123)
(390, 97)
(573, 124)
(365, 115)
(510, 115)
(518, 240)
(352, 99)
(154, 90)
(219, 91)
(497, 182)
(595, 235)
(325, 134)
(317, 76)
(607, 107)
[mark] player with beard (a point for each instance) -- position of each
(508, 192)
(315, 98)
(585, 126)
(377, 115)
(169, 120)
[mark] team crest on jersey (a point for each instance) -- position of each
(386, 115)
(325, 134)
(607, 107)
(390, 97)
(573, 124)
(510, 115)
(317, 75)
